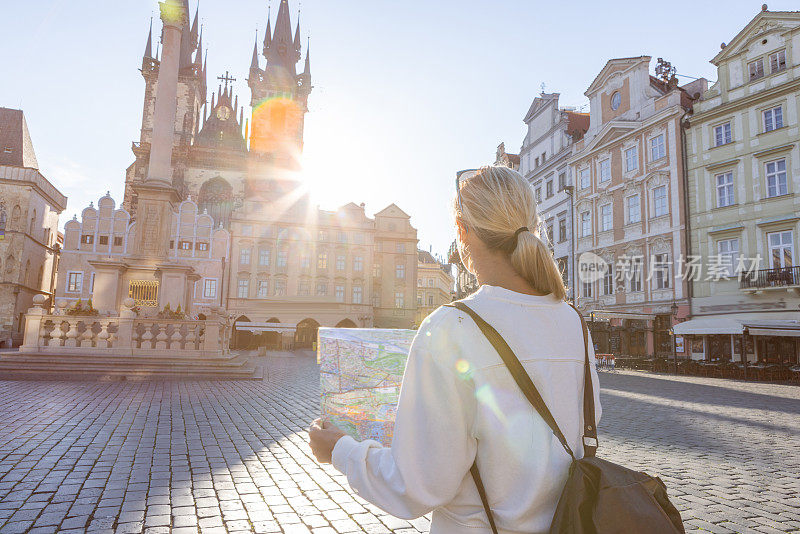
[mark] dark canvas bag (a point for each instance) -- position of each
(599, 497)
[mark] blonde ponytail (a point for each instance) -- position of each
(498, 205)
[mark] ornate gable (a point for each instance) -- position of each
(764, 23)
(613, 68)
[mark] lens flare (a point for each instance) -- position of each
(277, 126)
(464, 369)
(486, 396)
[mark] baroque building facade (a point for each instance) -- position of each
(630, 207)
(743, 150)
(434, 284)
(547, 145)
(29, 238)
(242, 225)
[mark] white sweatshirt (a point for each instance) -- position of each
(458, 400)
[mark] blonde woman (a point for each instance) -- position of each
(459, 403)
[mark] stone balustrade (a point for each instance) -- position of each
(125, 334)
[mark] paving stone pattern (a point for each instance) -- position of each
(231, 456)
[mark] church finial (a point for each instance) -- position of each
(148, 48)
(254, 62)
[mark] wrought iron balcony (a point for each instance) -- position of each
(781, 277)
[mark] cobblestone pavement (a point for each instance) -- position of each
(231, 456)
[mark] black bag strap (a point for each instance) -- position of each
(528, 388)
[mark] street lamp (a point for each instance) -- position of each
(674, 309)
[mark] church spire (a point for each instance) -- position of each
(194, 24)
(148, 48)
(297, 44)
(254, 62)
(268, 33)
(307, 69)
(198, 58)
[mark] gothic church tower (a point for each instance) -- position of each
(279, 95)
(191, 99)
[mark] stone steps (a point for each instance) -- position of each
(21, 366)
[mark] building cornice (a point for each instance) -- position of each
(747, 101)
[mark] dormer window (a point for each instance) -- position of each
(756, 69)
(777, 61)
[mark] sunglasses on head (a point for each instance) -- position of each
(466, 173)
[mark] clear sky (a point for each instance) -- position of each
(405, 93)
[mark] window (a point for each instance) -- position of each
(430, 300)
(280, 288)
(183, 245)
(376, 300)
(341, 237)
(322, 289)
(605, 218)
(586, 289)
(264, 257)
(400, 271)
(538, 194)
(322, 235)
(562, 181)
(419, 282)
(776, 178)
(283, 258)
(358, 264)
(781, 249)
(244, 256)
(657, 148)
(201, 246)
(608, 279)
(724, 189)
(339, 293)
(756, 69)
(635, 281)
(400, 248)
(660, 271)
(659, 201)
(777, 61)
(549, 188)
(209, 288)
(536, 162)
(605, 170)
(723, 134)
(322, 261)
(376, 270)
(586, 224)
(103, 240)
(262, 291)
(303, 288)
(118, 242)
(399, 300)
(340, 263)
(585, 178)
(544, 157)
(305, 262)
(562, 229)
(634, 209)
(430, 282)
(87, 239)
(243, 289)
(550, 233)
(357, 294)
(773, 119)
(74, 282)
(631, 159)
(728, 251)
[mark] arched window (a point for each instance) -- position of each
(41, 276)
(2, 219)
(216, 199)
(27, 272)
(16, 213)
(33, 222)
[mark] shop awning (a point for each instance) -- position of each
(723, 325)
(774, 328)
(708, 326)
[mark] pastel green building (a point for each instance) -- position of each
(743, 174)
